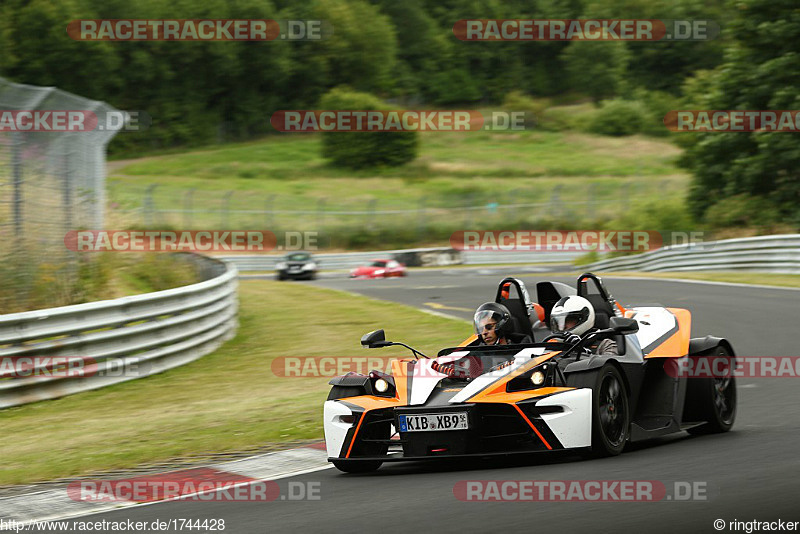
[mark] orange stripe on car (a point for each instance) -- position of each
(533, 427)
(677, 345)
(352, 441)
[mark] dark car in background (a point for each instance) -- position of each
(297, 266)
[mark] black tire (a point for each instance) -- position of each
(714, 399)
(343, 392)
(279, 277)
(611, 417)
(357, 467)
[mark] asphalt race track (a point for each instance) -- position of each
(751, 473)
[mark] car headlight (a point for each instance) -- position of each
(381, 385)
(280, 265)
(531, 379)
(309, 266)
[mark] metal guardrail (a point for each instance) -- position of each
(774, 254)
(88, 346)
(429, 257)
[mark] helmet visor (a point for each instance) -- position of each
(486, 320)
(566, 321)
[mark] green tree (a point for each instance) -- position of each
(364, 149)
(597, 68)
(761, 71)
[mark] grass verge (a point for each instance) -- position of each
(768, 279)
(228, 401)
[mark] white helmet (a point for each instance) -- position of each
(572, 314)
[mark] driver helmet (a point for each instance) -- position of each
(572, 314)
(493, 312)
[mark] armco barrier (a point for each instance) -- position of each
(774, 254)
(426, 257)
(117, 340)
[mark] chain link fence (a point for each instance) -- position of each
(50, 182)
(372, 222)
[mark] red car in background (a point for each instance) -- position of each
(379, 269)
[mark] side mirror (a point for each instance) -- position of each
(375, 339)
(623, 325)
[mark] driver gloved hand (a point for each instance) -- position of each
(571, 338)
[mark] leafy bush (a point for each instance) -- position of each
(666, 217)
(619, 117)
(741, 211)
(364, 149)
(656, 105)
(533, 108)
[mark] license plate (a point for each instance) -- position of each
(433, 422)
(294, 269)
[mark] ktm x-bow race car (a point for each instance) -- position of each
(551, 394)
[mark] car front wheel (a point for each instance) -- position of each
(611, 417)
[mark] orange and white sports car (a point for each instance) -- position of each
(549, 395)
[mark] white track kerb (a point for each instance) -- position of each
(54, 503)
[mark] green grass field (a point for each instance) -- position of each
(768, 279)
(286, 172)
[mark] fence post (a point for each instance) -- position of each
(626, 195)
(268, 207)
(187, 209)
(468, 212)
(592, 202)
(226, 208)
(320, 213)
(66, 191)
(555, 201)
(371, 207)
(421, 217)
(149, 206)
(16, 177)
(514, 198)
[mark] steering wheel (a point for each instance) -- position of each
(558, 335)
